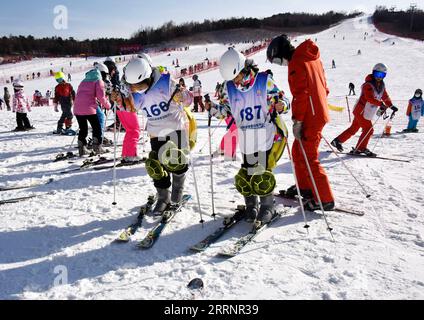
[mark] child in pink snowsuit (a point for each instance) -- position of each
(229, 141)
(129, 121)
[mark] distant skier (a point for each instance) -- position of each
(162, 100)
(197, 93)
(64, 95)
(374, 100)
(6, 97)
(352, 89)
(21, 106)
(255, 102)
(333, 64)
(415, 111)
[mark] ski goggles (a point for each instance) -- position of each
(280, 61)
(379, 74)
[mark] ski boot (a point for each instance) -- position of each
(177, 187)
(107, 142)
(251, 208)
(336, 143)
(164, 200)
(291, 193)
(82, 150)
(368, 153)
(314, 206)
(266, 210)
(97, 147)
(127, 161)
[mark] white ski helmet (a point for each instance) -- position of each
(101, 67)
(146, 57)
(18, 84)
(380, 67)
(109, 59)
(231, 64)
(137, 70)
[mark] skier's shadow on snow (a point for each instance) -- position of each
(80, 179)
(42, 242)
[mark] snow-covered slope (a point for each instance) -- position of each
(70, 225)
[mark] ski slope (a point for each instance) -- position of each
(65, 233)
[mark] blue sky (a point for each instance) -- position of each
(121, 18)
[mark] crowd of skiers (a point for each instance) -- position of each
(250, 102)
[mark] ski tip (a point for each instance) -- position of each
(225, 255)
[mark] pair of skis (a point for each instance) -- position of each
(282, 194)
(153, 235)
(360, 155)
(91, 164)
(233, 249)
(32, 185)
(16, 200)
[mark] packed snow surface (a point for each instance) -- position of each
(58, 244)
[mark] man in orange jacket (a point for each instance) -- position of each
(309, 113)
(374, 100)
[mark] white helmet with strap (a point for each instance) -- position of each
(18, 84)
(101, 67)
(231, 64)
(137, 70)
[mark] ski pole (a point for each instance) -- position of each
(211, 167)
(207, 99)
(307, 226)
(213, 132)
(143, 142)
(347, 168)
(315, 188)
(380, 137)
(197, 190)
(114, 154)
(72, 143)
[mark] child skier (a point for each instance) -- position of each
(374, 100)
(6, 98)
(254, 100)
(64, 95)
(90, 92)
(161, 101)
(104, 71)
(415, 111)
(21, 106)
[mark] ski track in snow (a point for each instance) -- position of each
(71, 223)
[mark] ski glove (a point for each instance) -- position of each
(381, 111)
(395, 109)
(298, 129)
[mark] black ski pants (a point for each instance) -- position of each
(83, 128)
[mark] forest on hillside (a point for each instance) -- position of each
(409, 23)
(147, 36)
